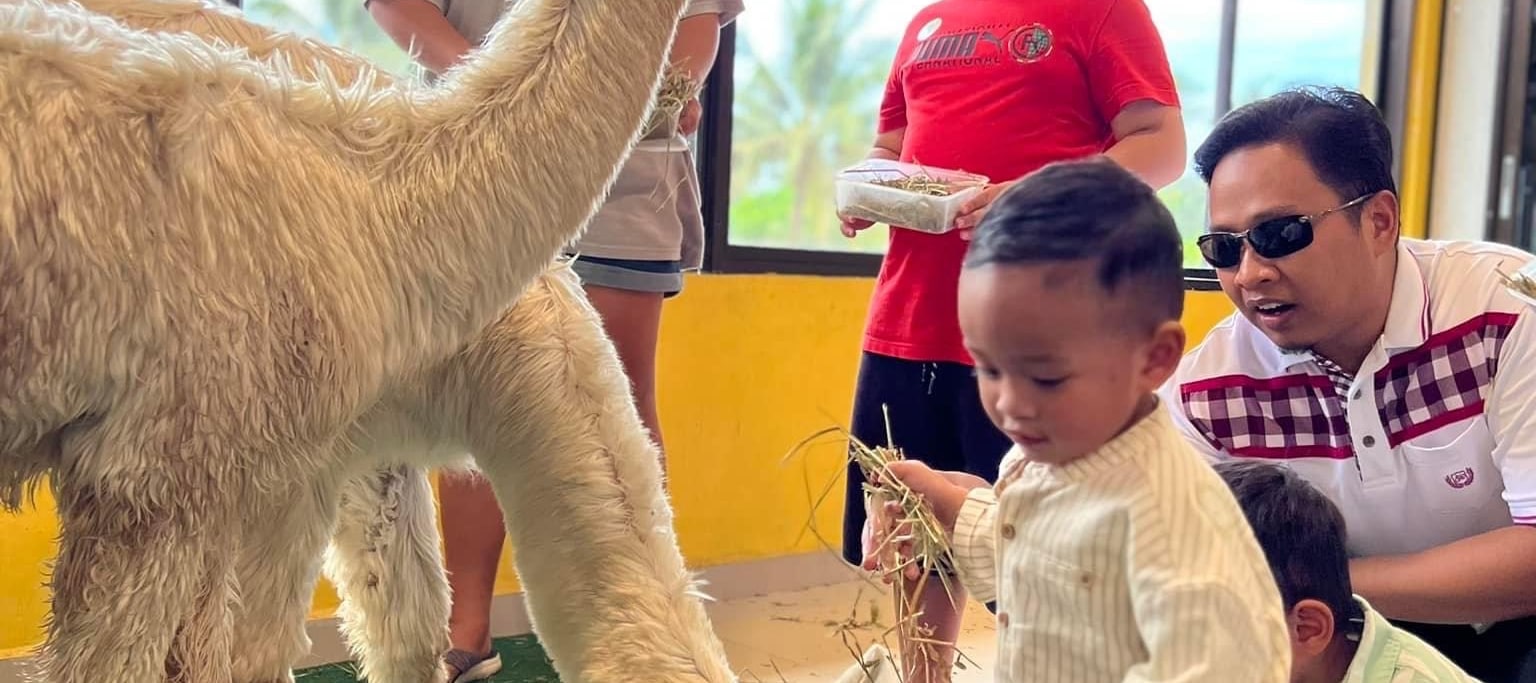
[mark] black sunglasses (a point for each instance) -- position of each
(1272, 239)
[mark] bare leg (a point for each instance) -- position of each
(632, 321)
(930, 662)
(472, 538)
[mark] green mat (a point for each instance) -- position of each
(522, 661)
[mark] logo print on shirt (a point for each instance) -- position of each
(1030, 43)
(1461, 479)
(1024, 44)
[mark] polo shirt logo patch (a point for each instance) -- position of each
(1444, 380)
(1460, 480)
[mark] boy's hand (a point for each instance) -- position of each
(944, 492)
(975, 208)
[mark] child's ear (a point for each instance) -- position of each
(1164, 351)
(1311, 625)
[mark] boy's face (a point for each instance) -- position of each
(1060, 369)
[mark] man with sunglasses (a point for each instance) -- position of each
(1397, 375)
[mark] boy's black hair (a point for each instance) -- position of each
(1302, 534)
(1090, 209)
(1341, 133)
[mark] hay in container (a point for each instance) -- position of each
(930, 548)
(676, 90)
(905, 195)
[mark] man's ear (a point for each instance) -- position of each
(1381, 218)
(1164, 352)
(1312, 627)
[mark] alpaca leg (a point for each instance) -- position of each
(385, 562)
(279, 567)
(556, 432)
(140, 592)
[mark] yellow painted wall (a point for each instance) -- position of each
(749, 366)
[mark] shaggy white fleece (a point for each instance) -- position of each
(210, 268)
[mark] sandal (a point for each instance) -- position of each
(464, 666)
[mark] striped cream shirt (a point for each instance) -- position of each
(1132, 563)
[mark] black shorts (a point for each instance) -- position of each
(936, 417)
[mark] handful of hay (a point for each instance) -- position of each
(905, 195)
(676, 91)
(917, 524)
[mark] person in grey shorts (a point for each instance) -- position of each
(631, 257)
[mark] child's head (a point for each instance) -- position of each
(1302, 534)
(1070, 302)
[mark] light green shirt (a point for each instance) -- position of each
(1388, 654)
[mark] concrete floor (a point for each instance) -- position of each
(787, 637)
(799, 636)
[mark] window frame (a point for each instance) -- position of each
(714, 140)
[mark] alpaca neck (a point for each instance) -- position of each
(518, 145)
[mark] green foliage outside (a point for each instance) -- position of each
(807, 114)
(808, 110)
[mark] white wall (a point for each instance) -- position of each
(1464, 132)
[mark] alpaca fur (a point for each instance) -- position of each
(384, 553)
(195, 253)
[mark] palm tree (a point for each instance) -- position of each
(801, 115)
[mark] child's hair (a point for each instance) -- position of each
(1302, 534)
(1090, 209)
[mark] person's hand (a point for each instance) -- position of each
(852, 226)
(886, 539)
(688, 120)
(975, 208)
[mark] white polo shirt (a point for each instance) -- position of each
(1432, 441)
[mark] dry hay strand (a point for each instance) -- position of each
(1519, 282)
(917, 183)
(918, 525)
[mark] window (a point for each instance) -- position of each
(806, 76)
(793, 97)
(344, 23)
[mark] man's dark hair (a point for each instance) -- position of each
(1090, 209)
(1302, 534)
(1342, 135)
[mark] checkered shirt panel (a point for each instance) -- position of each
(1443, 381)
(1296, 416)
(1341, 379)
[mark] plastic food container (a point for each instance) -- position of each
(860, 195)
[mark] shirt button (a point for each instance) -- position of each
(1369, 441)
(1002, 619)
(1358, 394)
(1008, 531)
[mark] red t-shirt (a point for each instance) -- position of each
(1000, 88)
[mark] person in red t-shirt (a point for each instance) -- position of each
(999, 88)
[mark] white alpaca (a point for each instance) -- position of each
(209, 269)
(623, 606)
